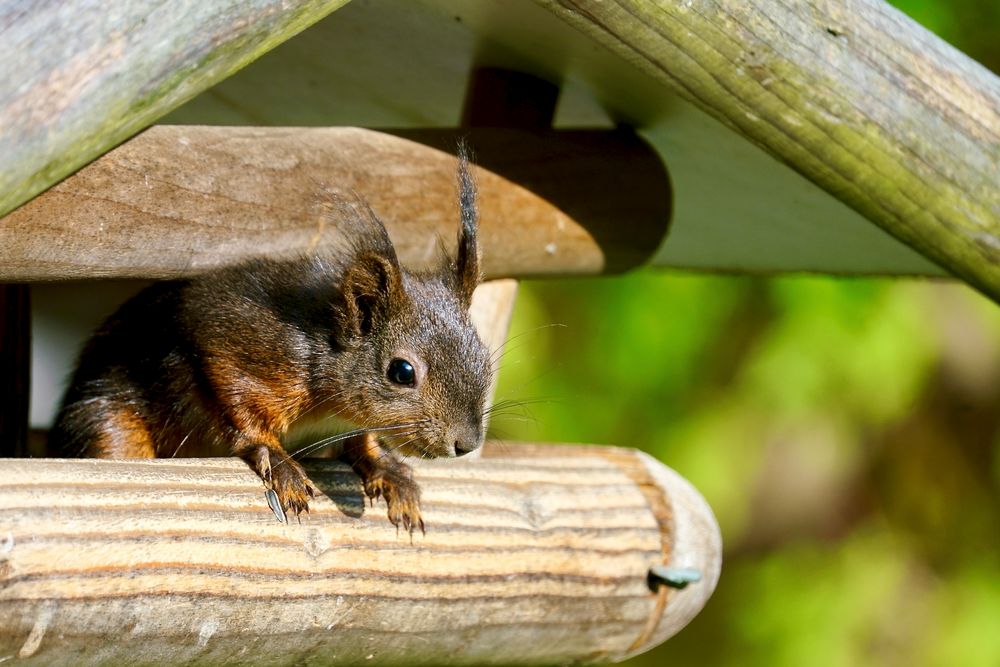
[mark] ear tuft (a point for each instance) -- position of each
(467, 275)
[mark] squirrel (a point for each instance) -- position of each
(229, 360)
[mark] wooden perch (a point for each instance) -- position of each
(180, 199)
(532, 555)
(851, 93)
(80, 78)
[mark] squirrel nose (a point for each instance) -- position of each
(463, 447)
(466, 440)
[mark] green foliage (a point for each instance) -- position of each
(845, 432)
(817, 416)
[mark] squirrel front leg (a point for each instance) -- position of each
(385, 476)
(280, 472)
(254, 412)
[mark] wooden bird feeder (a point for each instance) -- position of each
(534, 553)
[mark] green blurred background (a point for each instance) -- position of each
(845, 431)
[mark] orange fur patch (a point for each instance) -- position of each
(125, 436)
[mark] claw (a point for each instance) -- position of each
(264, 465)
(401, 494)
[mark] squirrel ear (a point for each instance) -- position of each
(467, 274)
(373, 282)
(372, 287)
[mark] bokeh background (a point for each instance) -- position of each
(845, 431)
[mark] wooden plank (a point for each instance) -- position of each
(532, 555)
(79, 79)
(176, 200)
(851, 93)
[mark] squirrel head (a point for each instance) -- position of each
(413, 357)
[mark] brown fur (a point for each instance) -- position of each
(126, 436)
(228, 361)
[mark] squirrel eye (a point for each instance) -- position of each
(401, 372)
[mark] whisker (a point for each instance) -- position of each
(323, 442)
(182, 443)
(500, 442)
(388, 448)
(325, 399)
(508, 404)
(506, 347)
(510, 416)
(403, 444)
(386, 451)
(404, 434)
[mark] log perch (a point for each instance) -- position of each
(533, 554)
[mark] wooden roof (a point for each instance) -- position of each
(786, 133)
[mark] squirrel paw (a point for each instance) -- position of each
(294, 489)
(401, 494)
(287, 478)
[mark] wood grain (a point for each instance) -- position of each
(851, 93)
(178, 199)
(532, 555)
(78, 79)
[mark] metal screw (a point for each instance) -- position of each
(675, 577)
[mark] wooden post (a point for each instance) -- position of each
(532, 555)
(15, 368)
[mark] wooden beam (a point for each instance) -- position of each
(532, 555)
(735, 209)
(852, 94)
(177, 200)
(80, 78)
